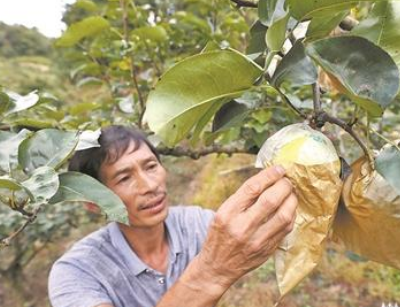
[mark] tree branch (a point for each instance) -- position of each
(323, 117)
(132, 62)
(196, 154)
(7, 241)
(316, 97)
(245, 3)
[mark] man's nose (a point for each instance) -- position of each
(146, 183)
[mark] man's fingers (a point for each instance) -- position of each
(280, 223)
(268, 202)
(253, 187)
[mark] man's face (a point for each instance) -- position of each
(139, 179)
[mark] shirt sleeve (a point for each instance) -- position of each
(70, 286)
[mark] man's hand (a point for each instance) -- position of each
(246, 231)
(248, 228)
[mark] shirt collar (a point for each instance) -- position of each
(135, 264)
(174, 238)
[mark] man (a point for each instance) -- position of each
(182, 256)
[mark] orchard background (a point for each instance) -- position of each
(212, 79)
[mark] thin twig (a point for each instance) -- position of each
(315, 123)
(7, 241)
(133, 71)
(354, 117)
(323, 117)
(316, 97)
(382, 137)
(245, 3)
(287, 100)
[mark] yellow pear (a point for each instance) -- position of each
(313, 166)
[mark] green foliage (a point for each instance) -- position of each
(9, 148)
(20, 41)
(273, 15)
(381, 27)
(369, 75)
(324, 8)
(88, 27)
(78, 187)
(47, 147)
(296, 67)
(172, 113)
(388, 165)
(320, 27)
(199, 70)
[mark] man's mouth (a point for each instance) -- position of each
(158, 201)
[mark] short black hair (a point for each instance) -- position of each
(114, 141)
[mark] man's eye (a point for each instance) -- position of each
(123, 179)
(152, 166)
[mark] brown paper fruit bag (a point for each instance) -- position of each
(313, 166)
(368, 223)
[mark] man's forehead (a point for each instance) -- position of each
(134, 152)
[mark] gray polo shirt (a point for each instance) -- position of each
(102, 268)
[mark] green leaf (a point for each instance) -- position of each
(270, 10)
(86, 5)
(78, 187)
(32, 123)
(230, 115)
(87, 27)
(88, 139)
(272, 14)
(368, 74)
(155, 34)
(211, 46)
(382, 27)
(300, 104)
(9, 183)
(5, 102)
(48, 147)
(19, 103)
(9, 143)
(387, 165)
(276, 33)
(89, 81)
(43, 184)
(296, 67)
(320, 27)
(306, 9)
(83, 107)
(45, 97)
(206, 118)
(187, 91)
(126, 104)
(257, 42)
(92, 69)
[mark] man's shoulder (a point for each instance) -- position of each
(91, 245)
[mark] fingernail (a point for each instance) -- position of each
(280, 170)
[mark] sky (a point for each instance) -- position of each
(45, 15)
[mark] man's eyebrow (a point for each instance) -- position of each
(122, 171)
(128, 169)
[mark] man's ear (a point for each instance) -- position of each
(92, 207)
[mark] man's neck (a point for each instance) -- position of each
(150, 244)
